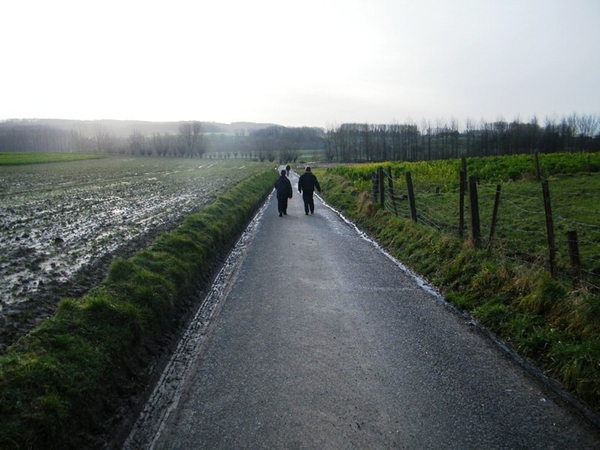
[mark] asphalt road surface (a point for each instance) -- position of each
(322, 341)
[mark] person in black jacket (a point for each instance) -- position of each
(283, 186)
(306, 185)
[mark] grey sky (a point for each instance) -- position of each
(314, 63)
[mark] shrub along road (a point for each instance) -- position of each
(324, 342)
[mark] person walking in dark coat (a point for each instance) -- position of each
(283, 186)
(306, 185)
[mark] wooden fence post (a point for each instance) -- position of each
(573, 244)
(461, 204)
(474, 202)
(411, 197)
(536, 160)
(391, 189)
(494, 216)
(549, 229)
(381, 186)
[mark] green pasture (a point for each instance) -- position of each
(308, 155)
(10, 159)
(500, 169)
(574, 184)
(552, 321)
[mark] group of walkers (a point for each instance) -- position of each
(307, 183)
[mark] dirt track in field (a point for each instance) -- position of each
(62, 224)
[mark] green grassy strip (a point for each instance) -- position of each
(14, 159)
(545, 320)
(57, 378)
(493, 169)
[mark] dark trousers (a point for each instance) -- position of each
(282, 205)
(309, 203)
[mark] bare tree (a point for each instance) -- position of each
(587, 129)
(454, 135)
(137, 143)
(78, 142)
(192, 139)
(469, 130)
(103, 139)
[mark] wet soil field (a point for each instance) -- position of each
(61, 224)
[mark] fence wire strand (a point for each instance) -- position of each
(520, 232)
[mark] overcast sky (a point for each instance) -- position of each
(301, 63)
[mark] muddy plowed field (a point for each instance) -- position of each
(61, 224)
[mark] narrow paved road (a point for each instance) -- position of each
(324, 342)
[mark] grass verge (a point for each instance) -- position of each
(545, 320)
(59, 382)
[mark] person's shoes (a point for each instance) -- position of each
(284, 213)
(306, 213)
(312, 212)
(280, 214)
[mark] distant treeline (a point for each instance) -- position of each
(351, 142)
(410, 142)
(181, 139)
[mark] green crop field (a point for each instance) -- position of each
(520, 230)
(10, 159)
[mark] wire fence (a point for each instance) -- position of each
(560, 232)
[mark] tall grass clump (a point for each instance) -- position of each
(65, 378)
